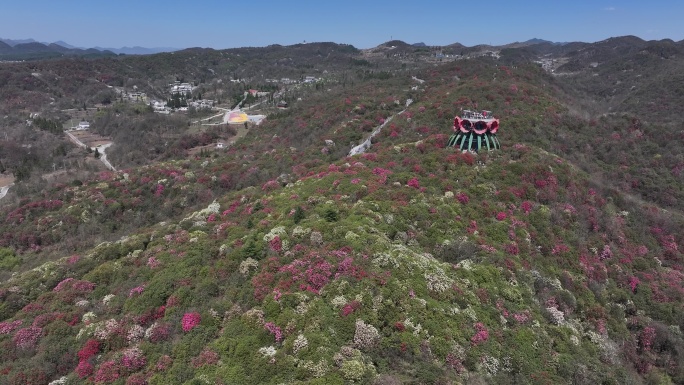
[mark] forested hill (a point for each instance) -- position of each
(556, 259)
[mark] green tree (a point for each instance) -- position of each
(298, 215)
(331, 215)
(7, 259)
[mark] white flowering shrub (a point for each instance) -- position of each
(135, 334)
(351, 236)
(299, 343)
(82, 303)
(278, 231)
(88, 318)
(490, 365)
(107, 299)
(465, 264)
(316, 238)
(339, 301)
(267, 351)
(247, 265)
(300, 232)
(366, 335)
(555, 316)
(438, 281)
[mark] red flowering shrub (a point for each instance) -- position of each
(462, 197)
(454, 363)
(350, 308)
(206, 357)
(136, 379)
(108, 372)
(413, 182)
(84, 369)
(276, 244)
(91, 348)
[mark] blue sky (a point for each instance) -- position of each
(364, 24)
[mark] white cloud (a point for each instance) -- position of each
(609, 9)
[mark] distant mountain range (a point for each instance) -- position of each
(28, 49)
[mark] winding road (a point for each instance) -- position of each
(365, 145)
(101, 149)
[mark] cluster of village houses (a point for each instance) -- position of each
(181, 88)
(307, 79)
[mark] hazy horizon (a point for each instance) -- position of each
(214, 24)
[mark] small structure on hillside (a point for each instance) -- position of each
(475, 130)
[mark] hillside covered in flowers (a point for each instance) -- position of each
(285, 261)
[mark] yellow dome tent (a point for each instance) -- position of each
(237, 117)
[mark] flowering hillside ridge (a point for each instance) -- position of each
(487, 267)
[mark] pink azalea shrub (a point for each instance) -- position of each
(133, 359)
(190, 321)
(8, 327)
(522, 317)
(481, 334)
(76, 285)
(275, 330)
(136, 291)
(206, 357)
(646, 338)
(27, 338)
(153, 263)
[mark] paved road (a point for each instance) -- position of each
(3, 191)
